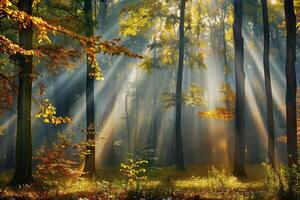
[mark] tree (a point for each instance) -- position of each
(266, 54)
(179, 160)
(102, 14)
(89, 166)
(23, 171)
(291, 82)
(239, 148)
(291, 90)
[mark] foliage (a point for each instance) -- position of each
(8, 89)
(226, 112)
(48, 114)
(161, 18)
(92, 45)
(135, 170)
(216, 179)
(2, 129)
(57, 164)
(8, 47)
(193, 97)
(217, 113)
(147, 64)
(145, 153)
(276, 181)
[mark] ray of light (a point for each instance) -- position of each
(105, 135)
(277, 83)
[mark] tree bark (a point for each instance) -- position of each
(179, 160)
(291, 90)
(155, 111)
(102, 15)
(89, 167)
(239, 149)
(291, 82)
(23, 171)
(268, 87)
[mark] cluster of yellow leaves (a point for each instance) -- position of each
(218, 113)
(147, 64)
(9, 47)
(48, 114)
(138, 17)
(193, 97)
(136, 21)
(226, 112)
(135, 171)
(228, 94)
(2, 129)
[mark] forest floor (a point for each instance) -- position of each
(162, 183)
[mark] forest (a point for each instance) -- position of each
(143, 99)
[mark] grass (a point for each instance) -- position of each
(196, 182)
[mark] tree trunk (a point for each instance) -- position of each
(225, 60)
(102, 15)
(23, 171)
(179, 161)
(291, 90)
(239, 149)
(89, 167)
(155, 91)
(268, 87)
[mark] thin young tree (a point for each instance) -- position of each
(268, 86)
(179, 160)
(239, 148)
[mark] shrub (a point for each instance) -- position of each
(277, 180)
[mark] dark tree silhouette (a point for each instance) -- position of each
(89, 167)
(179, 160)
(266, 54)
(23, 171)
(239, 149)
(291, 90)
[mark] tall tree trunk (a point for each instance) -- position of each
(268, 87)
(89, 167)
(291, 90)
(23, 171)
(155, 91)
(102, 15)
(179, 160)
(225, 60)
(239, 149)
(255, 27)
